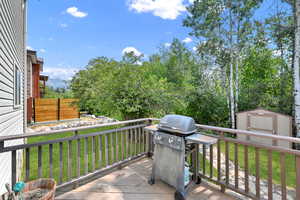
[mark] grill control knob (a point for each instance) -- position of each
(171, 140)
(158, 137)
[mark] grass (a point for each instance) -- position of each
(289, 159)
(56, 164)
(276, 167)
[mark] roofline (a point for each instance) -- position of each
(264, 110)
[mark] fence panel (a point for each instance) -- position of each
(45, 110)
(68, 109)
(55, 109)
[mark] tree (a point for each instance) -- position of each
(296, 66)
(223, 24)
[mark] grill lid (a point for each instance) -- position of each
(177, 124)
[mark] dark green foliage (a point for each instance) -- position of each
(178, 80)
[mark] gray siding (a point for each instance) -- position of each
(12, 52)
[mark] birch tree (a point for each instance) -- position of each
(222, 24)
(296, 66)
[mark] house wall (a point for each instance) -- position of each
(12, 52)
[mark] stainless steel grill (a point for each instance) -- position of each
(175, 138)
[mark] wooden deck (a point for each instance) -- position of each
(130, 183)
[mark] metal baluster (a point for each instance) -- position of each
(246, 169)
(106, 150)
(27, 150)
(86, 158)
(13, 167)
(127, 144)
(93, 153)
(112, 148)
(270, 175)
(203, 158)
(60, 162)
(117, 147)
(100, 150)
(227, 162)
(283, 176)
(211, 162)
(78, 157)
(257, 173)
(70, 158)
(236, 166)
(122, 145)
(219, 160)
(51, 160)
(40, 162)
(135, 142)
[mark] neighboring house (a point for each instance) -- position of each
(36, 83)
(12, 76)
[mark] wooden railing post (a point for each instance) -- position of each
(150, 142)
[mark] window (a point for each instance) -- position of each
(17, 87)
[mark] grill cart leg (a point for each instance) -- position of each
(198, 180)
(179, 196)
(151, 180)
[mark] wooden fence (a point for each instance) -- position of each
(54, 109)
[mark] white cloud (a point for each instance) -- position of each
(167, 44)
(62, 73)
(131, 49)
(195, 48)
(43, 50)
(63, 25)
(187, 40)
(75, 12)
(166, 9)
(29, 48)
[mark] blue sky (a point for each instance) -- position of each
(68, 33)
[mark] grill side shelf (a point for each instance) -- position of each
(198, 138)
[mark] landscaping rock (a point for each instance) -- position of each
(89, 120)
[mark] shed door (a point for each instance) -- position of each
(263, 123)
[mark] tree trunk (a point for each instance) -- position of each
(237, 83)
(296, 67)
(232, 104)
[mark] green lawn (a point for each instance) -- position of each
(289, 160)
(56, 167)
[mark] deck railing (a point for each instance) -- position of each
(74, 155)
(77, 155)
(253, 165)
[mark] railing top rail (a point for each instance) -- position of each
(249, 133)
(75, 137)
(37, 134)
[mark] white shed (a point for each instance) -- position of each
(264, 121)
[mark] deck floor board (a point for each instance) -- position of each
(130, 183)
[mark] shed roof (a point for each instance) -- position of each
(263, 110)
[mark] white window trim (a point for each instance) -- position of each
(17, 106)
